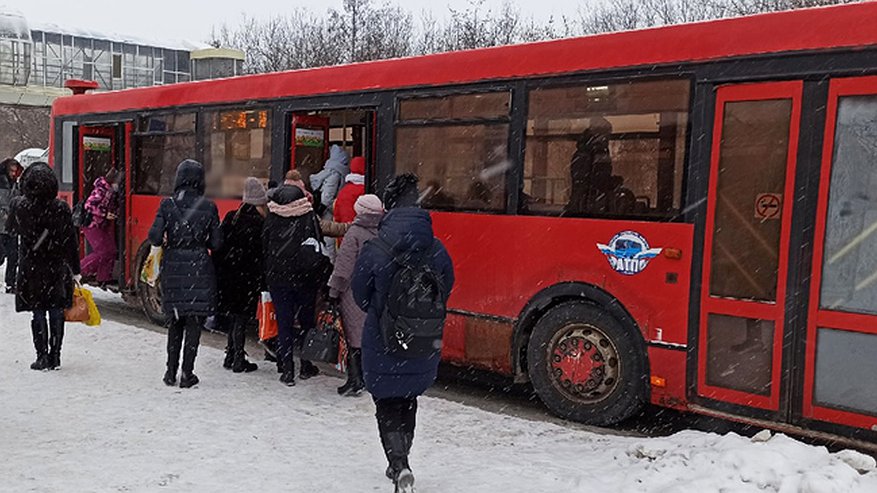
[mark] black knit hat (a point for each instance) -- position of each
(402, 192)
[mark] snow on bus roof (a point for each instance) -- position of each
(849, 26)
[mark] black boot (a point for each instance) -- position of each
(238, 339)
(242, 365)
(308, 370)
(190, 351)
(39, 330)
(288, 375)
(396, 448)
(188, 379)
(174, 344)
(228, 362)
(170, 377)
(55, 340)
(354, 385)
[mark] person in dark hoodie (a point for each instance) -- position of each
(395, 382)
(10, 171)
(240, 273)
(187, 225)
(294, 270)
(49, 261)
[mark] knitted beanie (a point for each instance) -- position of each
(254, 192)
(368, 204)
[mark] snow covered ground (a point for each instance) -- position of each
(105, 422)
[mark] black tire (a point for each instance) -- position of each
(586, 366)
(150, 297)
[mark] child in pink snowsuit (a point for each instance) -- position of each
(102, 204)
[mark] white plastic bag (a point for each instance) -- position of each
(152, 266)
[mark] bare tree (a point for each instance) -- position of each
(745, 7)
(373, 31)
(298, 40)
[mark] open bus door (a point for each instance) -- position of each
(102, 147)
(310, 144)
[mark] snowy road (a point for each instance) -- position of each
(106, 423)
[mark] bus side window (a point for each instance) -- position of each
(606, 150)
(458, 146)
(160, 144)
(237, 145)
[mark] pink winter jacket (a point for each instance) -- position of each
(101, 202)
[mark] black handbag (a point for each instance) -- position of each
(322, 343)
(81, 216)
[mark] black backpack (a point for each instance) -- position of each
(81, 216)
(414, 314)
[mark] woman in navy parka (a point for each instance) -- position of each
(395, 383)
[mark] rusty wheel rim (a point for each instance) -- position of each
(583, 363)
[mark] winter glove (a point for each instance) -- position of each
(77, 279)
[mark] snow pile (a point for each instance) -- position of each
(105, 422)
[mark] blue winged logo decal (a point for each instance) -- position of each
(628, 252)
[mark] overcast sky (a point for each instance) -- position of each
(192, 19)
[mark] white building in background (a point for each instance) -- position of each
(36, 60)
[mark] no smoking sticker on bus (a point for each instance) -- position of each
(768, 205)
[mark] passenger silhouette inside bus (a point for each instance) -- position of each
(591, 180)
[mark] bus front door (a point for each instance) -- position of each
(103, 147)
(746, 248)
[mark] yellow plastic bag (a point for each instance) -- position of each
(93, 313)
(84, 310)
(152, 266)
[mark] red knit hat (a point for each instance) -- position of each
(357, 165)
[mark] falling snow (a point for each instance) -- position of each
(105, 422)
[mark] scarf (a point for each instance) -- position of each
(294, 209)
(355, 178)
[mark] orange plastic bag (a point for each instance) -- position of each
(267, 318)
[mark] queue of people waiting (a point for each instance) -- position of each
(390, 277)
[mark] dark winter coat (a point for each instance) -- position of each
(239, 267)
(290, 222)
(49, 247)
(409, 230)
(188, 280)
(8, 191)
(363, 229)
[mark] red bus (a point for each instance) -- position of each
(680, 216)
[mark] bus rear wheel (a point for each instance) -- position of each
(586, 366)
(150, 296)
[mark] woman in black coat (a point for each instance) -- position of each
(48, 260)
(187, 224)
(240, 273)
(293, 272)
